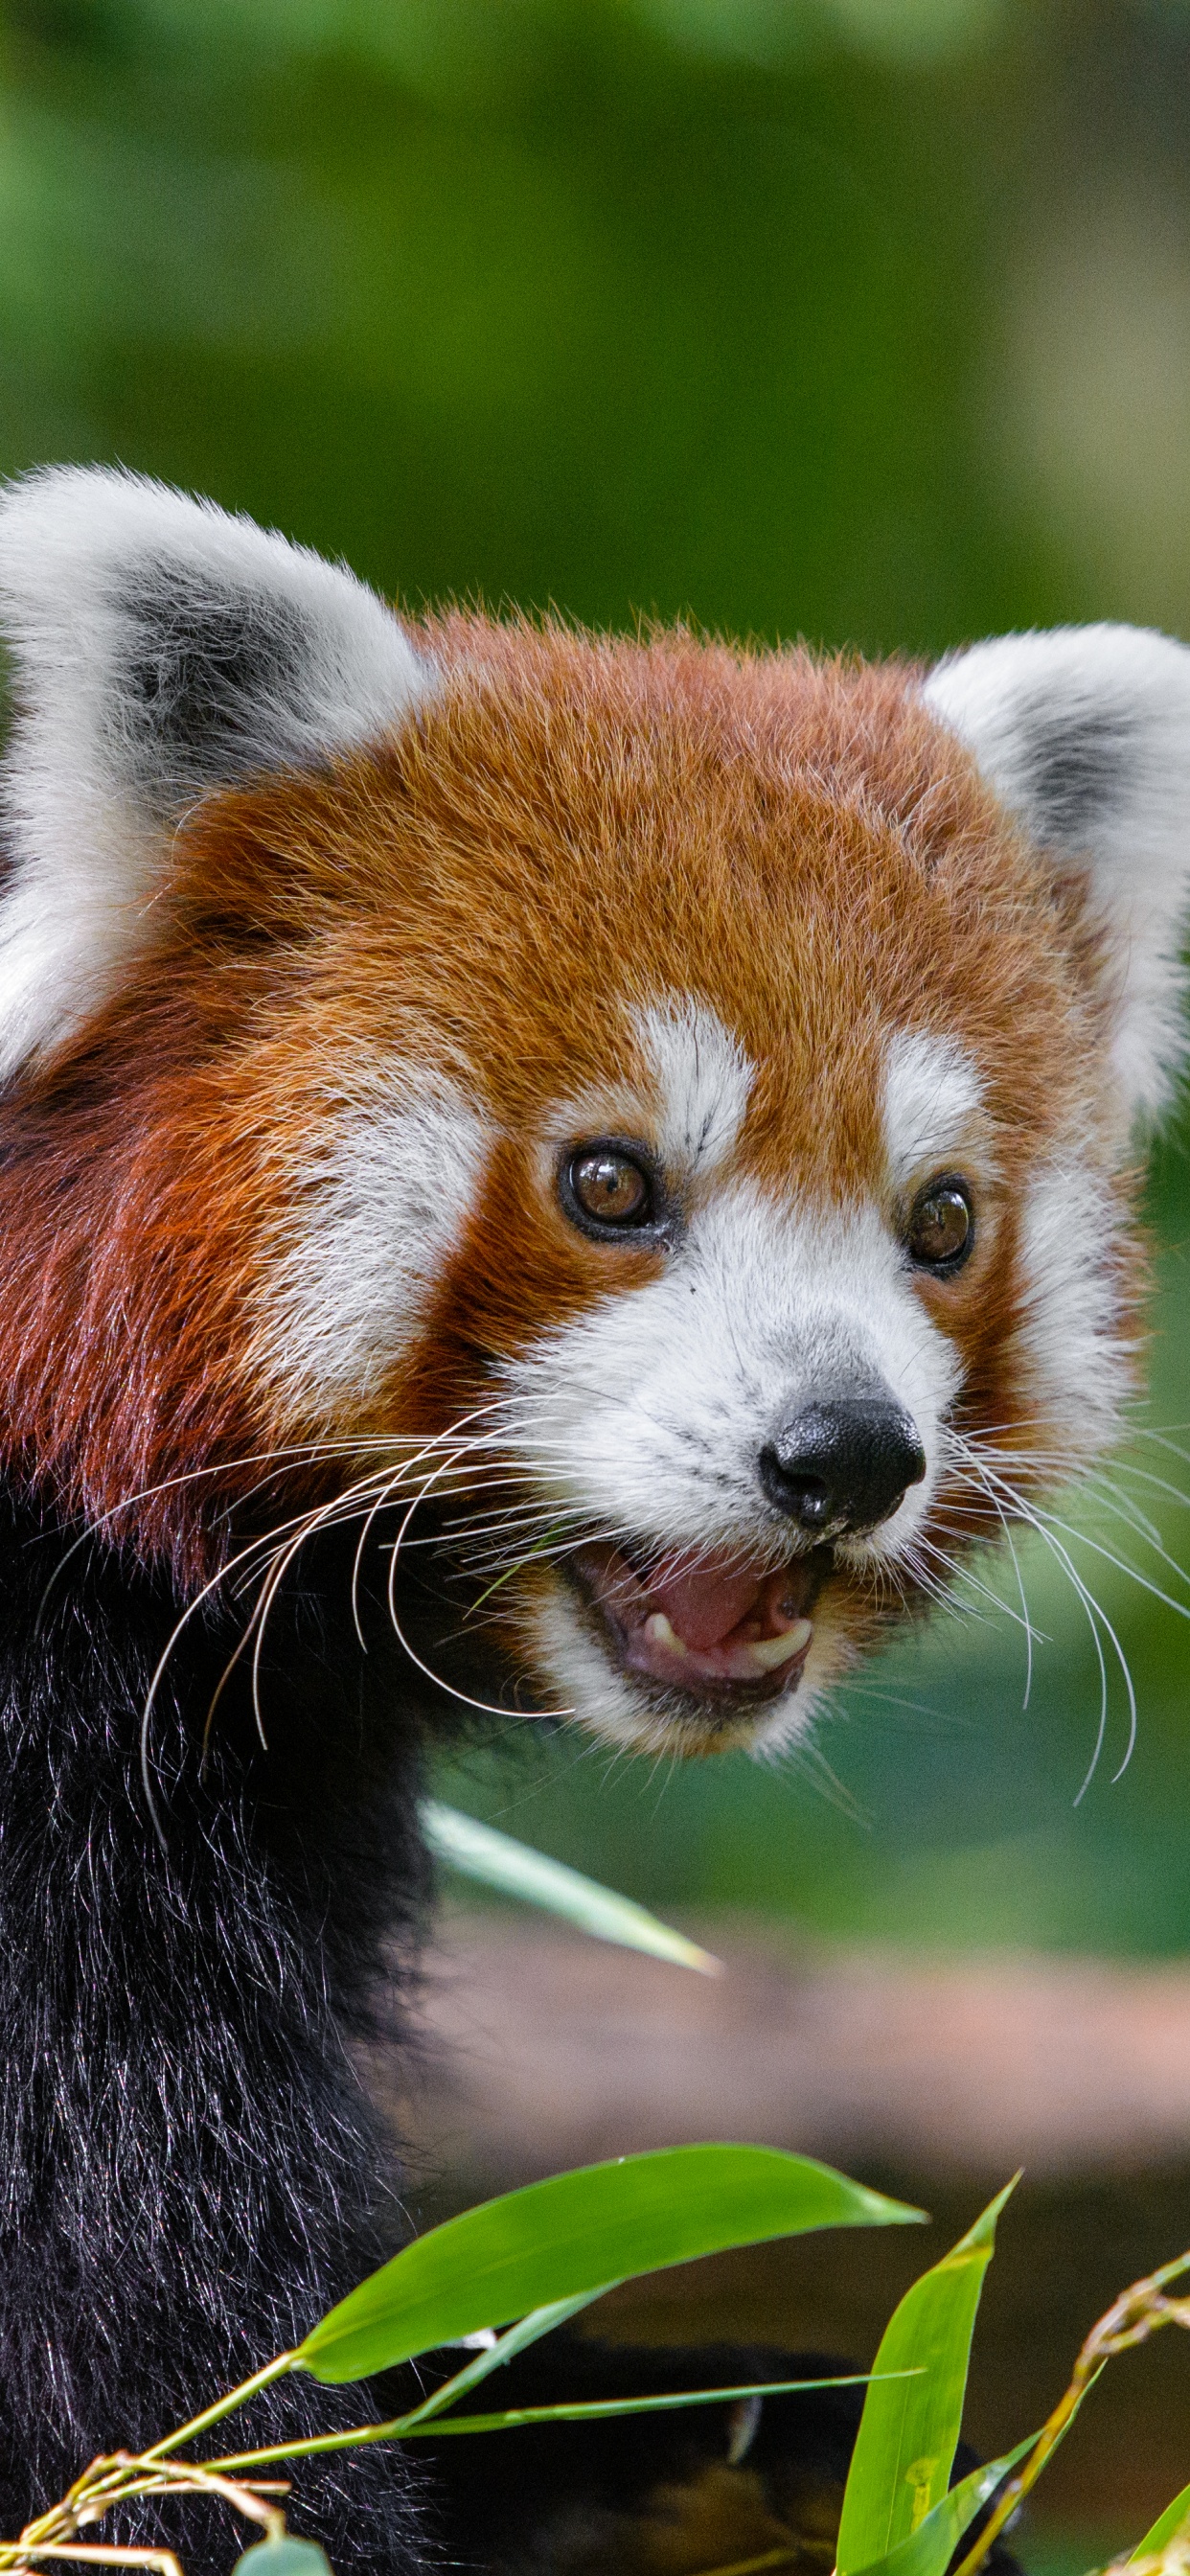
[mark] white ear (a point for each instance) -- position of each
(1085, 735)
(162, 649)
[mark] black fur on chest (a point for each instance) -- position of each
(189, 2170)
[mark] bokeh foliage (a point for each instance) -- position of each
(862, 319)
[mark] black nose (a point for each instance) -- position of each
(843, 1465)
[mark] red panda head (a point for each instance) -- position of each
(657, 1115)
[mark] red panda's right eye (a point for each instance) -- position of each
(941, 1228)
(610, 1188)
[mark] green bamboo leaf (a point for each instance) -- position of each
(578, 2232)
(287, 2556)
(496, 1860)
(1167, 2527)
(904, 2452)
(928, 2550)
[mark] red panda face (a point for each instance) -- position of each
(656, 1116)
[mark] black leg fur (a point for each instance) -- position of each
(190, 2172)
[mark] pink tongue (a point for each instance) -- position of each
(704, 1600)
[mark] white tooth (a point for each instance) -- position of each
(768, 1652)
(659, 1633)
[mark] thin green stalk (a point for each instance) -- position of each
(228, 2405)
(515, 2416)
(414, 2427)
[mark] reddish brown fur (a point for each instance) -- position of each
(570, 827)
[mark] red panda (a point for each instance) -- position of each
(595, 1169)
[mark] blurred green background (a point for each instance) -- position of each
(867, 320)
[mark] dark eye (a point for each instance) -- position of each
(608, 1187)
(942, 1227)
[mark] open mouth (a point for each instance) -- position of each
(706, 1624)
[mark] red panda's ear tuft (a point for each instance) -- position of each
(162, 649)
(1084, 733)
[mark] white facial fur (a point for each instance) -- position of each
(376, 1207)
(932, 1093)
(646, 1417)
(162, 649)
(1085, 734)
(378, 1201)
(692, 1102)
(1074, 1361)
(702, 1079)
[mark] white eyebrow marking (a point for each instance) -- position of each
(931, 1092)
(703, 1078)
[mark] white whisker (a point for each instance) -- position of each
(484, 1707)
(1046, 1528)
